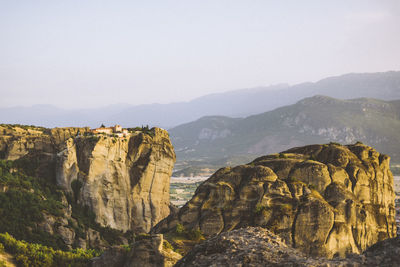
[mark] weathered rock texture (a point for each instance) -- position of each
(256, 246)
(326, 200)
(151, 251)
(123, 180)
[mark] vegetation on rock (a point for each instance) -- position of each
(25, 200)
(36, 255)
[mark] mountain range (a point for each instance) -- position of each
(318, 119)
(238, 103)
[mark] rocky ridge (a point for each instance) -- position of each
(256, 246)
(326, 200)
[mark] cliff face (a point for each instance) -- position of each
(124, 181)
(326, 200)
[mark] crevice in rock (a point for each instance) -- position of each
(331, 230)
(222, 211)
(144, 211)
(150, 192)
(294, 225)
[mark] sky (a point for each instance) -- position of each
(84, 54)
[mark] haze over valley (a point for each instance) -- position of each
(238, 103)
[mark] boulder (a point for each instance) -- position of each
(256, 246)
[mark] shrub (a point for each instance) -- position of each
(27, 254)
(282, 156)
(335, 143)
(259, 208)
(311, 186)
(180, 229)
(196, 235)
(167, 245)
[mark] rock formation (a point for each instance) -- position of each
(123, 180)
(256, 246)
(150, 251)
(326, 200)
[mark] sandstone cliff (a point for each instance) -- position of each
(124, 181)
(326, 200)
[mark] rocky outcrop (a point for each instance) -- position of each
(326, 200)
(256, 246)
(385, 253)
(150, 251)
(124, 181)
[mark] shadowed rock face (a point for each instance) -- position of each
(326, 200)
(147, 252)
(124, 181)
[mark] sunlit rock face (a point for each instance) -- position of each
(326, 200)
(123, 180)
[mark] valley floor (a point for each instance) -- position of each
(182, 188)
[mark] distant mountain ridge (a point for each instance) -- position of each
(238, 103)
(317, 119)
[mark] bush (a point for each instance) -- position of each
(259, 208)
(196, 235)
(27, 254)
(282, 156)
(180, 229)
(335, 143)
(167, 245)
(311, 186)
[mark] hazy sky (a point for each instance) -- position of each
(94, 53)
